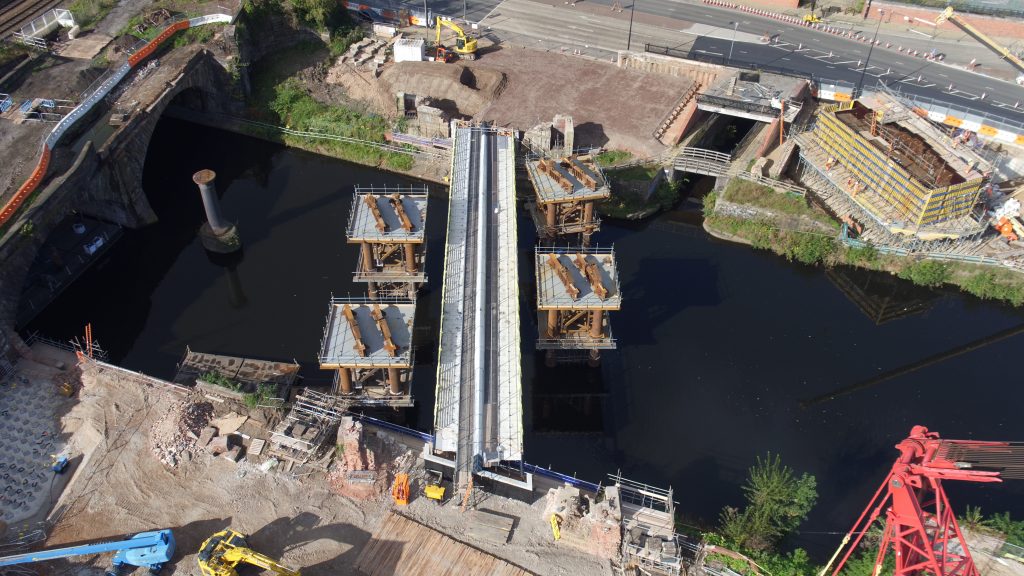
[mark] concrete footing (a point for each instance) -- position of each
(224, 243)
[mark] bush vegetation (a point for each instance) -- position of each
(929, 273)
(263, 393)
(613, 157)
(297, 110)
(88, 13)
(218, 379)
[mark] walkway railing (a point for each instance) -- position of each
(107, 83)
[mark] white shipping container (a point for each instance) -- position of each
(409, 50)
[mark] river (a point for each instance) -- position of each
(722, 349)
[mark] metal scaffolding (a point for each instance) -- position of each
(566, 191)
(576, 289)
(388, 225)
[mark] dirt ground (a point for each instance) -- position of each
(119, 487)
(610, 106)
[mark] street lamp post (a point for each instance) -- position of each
(735, 25)
(864, 70)
(629, 38)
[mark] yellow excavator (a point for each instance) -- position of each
(949, 15)
(465, 46)
(225, 550)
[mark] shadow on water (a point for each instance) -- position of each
(718, 345)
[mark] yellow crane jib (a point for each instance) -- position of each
(465, 46)
(225, 550)
(1004, 52)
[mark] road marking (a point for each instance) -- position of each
(710, 53)
(846, 62)
(784, 58)
(581, 29)
(833, 67)
(943, 75)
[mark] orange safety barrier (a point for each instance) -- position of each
(156, 42)
(27, 188)
(36, 178)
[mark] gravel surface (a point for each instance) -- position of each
(120, 487)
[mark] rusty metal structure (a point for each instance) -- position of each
(566, 189)
(368, 344)
(388, 225)
(576, 290)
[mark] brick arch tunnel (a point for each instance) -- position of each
(104, 180)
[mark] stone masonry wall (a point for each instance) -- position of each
(104, 183)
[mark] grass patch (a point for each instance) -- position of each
(805, 247)
(613, 157)
(88, 13)
(263, 393)
(643, 173)
(296, 109)
(197, 35)
(10, 55)
(742, 191)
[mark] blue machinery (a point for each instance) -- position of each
(145, 549)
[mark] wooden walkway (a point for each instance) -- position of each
(403, 547)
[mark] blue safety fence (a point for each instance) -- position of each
(571, 480)
(392, 426)
(537, 470)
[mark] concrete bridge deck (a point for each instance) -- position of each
(478, 410)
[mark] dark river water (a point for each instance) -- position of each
(724, 352)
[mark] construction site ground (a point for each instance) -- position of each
(120, 487)
(611, 107)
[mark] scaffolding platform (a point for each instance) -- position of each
(362, 333)
(397, 214)
(368, 344)
(558, 182)
(577, 279)
(566, 190)
(388, 224)
(897, 168)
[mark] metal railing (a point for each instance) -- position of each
(734, 104)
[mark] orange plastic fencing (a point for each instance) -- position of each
(156, 42)
(27, 188)
(12, 206)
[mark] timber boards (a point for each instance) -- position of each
(403, 547)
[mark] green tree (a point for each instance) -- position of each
(973, 518)
(777, 502)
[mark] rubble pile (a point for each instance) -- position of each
(590, 526)
(175, 434)
(355, 472)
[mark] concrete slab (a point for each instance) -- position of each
(86, 47)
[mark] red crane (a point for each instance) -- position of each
(920, 528)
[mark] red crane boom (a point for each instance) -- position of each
(920, 527)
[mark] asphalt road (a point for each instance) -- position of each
(595, 28)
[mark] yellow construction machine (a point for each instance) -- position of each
(811, 18)
(225, 550)
(465, 46)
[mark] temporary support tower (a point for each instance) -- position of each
(368, 344)
(920, 527)
(388, 225)
(566, 192)
(576, 290)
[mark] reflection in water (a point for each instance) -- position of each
(881, 297)
(718, 344)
